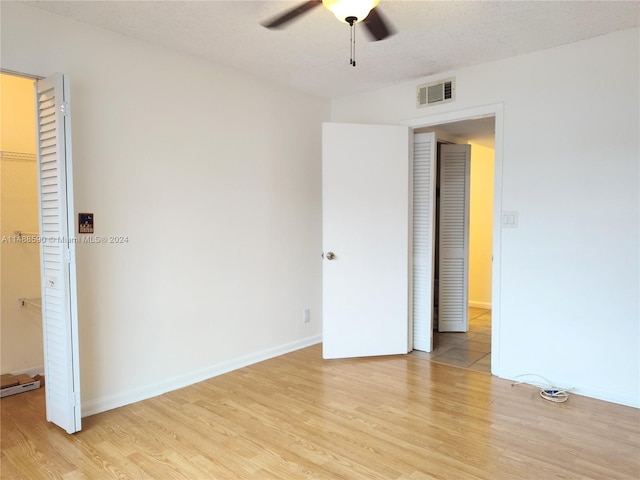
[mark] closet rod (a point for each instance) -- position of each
(33, 304)
(18, 156)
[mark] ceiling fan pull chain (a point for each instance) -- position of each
(353, 55)
(352, 24)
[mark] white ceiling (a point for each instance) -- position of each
(312, 54)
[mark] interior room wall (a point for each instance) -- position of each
(480, 225)
(569, 282)
(214, 179)
(20, 328)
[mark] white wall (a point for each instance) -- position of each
(569, 292)
(480, 225)
(214, 177)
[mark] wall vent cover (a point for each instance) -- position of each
(432, 93)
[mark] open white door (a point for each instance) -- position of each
(424, 201)
(453, 268)
(365, 201)
(57, 254)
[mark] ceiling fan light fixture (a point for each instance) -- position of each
(344, 9)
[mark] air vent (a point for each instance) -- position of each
(436, 92)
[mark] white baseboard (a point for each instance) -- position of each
(485, 305)
(30, 371)
(621, 398)
(99, 405)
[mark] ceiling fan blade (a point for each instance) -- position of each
(291, 14)
(377, 26)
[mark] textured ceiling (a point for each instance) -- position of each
(312, 54)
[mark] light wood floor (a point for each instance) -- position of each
(297, 416)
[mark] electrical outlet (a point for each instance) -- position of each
(306, 315)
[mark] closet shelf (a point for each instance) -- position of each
(34, 304)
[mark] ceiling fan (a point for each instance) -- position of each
(346, 11)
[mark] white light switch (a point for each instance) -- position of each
(510, 219)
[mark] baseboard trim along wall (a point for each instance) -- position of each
(586, 390)
(30, 371)
(100, 405)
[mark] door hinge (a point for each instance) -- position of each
(65, 109)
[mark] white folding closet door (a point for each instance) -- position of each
(453, 278)
(424, 175)
(57, 254)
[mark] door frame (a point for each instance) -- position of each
(474, 113)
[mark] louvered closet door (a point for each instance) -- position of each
(57, 254)
(424, 168)
(453, 268)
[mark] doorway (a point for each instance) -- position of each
(55, 238)
(347, 208)
(471, 348)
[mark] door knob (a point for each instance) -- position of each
(331, 255)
